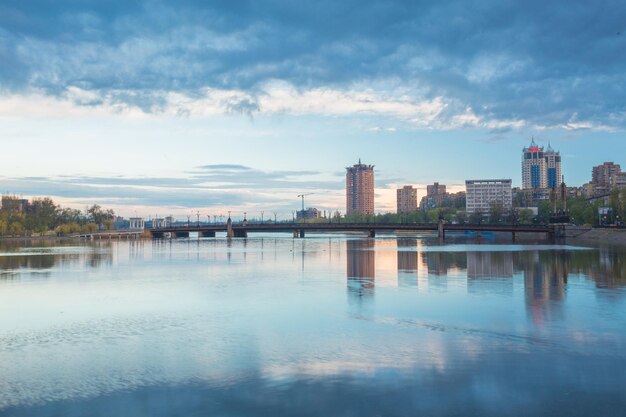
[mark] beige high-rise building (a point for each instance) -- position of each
(603, 177)
(360, 189)
(406, 199)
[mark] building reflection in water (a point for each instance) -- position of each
(545, 278)
(490, 271)
(407, 262)
(361, 269)
(439, 262)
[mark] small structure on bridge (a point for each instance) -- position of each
(160, 223)
(136, 223)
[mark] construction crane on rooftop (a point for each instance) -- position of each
(302, 196)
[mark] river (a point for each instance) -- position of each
(321, 326)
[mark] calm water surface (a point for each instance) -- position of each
(322, 326)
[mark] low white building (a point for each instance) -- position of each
(481, 195)
(136, 223)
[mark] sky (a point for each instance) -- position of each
(155, 108)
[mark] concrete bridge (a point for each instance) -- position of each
(371, 229)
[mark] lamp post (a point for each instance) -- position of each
(198, 218)
(293, 216)
(262, 216)
(275, 214)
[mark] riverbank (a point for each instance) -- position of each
(596, 235)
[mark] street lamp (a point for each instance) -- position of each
(262, 216)
(275, 214)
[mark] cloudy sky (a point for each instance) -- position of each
(162, 107)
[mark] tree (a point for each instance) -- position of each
(476, 217)
(526, 216)
(41, 215)
(98, 215)
(495, 213)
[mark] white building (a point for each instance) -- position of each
(136, 223)
(481, 195)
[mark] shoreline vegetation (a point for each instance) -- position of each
(41, 217)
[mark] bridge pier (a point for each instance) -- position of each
(371, 233)
(301, 233)
(157, 235)
(441, 231)
(207, 233)
(179, 234)
(240, 233)
(513, 236)
(229, 228)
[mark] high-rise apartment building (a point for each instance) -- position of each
(435, 189)
(406, 199)
(481, 195)
(534, 167)
(540, 169)
(603, 177)
(553, 167)
(360, 189)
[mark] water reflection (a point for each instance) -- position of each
(407, 262)
(361, 268)
(263, 326)
(39, 257)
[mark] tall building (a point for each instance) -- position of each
(360, 189)
(540, 169)
(406, 199)
(481, 195)
(604, 176)
(553, 167)
(534, 167)
(435, 196)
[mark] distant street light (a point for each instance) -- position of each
(261, 216)
(275, 214)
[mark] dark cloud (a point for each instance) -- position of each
(541, 62)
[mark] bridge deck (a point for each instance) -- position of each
(365, 227)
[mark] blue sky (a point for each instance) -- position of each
(156, 108)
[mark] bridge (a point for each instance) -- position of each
(371, 229)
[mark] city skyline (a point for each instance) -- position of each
(148, 107)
